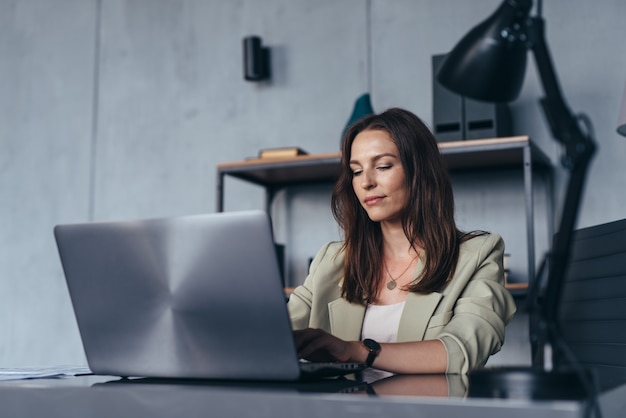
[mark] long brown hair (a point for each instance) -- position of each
(428, 219)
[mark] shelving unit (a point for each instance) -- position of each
(479, 154)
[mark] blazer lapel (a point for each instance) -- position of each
(416, 314)
(346, 319)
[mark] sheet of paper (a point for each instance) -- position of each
(46, 372)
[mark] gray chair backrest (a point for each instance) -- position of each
(593, 307)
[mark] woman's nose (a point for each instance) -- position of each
(367, 180)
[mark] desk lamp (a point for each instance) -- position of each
(488, 64)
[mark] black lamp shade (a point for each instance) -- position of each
(489, 63)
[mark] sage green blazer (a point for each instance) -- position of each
(468, 316)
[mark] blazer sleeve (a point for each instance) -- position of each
(307, 304)
(482, 306)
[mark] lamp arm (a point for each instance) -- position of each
(563, 124)
(579, 149)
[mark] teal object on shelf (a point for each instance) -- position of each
(362, 107)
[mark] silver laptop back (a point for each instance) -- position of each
(187, 297)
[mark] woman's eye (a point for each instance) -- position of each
(356, 172)
(384, 167)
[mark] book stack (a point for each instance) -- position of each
(284, 152)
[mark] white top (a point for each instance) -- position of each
(381, 322)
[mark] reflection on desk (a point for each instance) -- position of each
(397, 397)
(349, 384)
(453, 386)
(436, 385)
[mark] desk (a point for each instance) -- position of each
(103, 397)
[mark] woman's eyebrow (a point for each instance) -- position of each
(376, 157)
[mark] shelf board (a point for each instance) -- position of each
(458, 155)
(279, 172)
(490, 153)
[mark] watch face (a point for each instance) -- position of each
(371, 344)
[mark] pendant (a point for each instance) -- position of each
(391, 285)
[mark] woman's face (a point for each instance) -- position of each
(378, 176)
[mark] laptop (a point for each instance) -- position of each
(190, 297)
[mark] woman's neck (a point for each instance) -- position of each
(395, 243)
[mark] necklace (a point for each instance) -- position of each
(393, 283)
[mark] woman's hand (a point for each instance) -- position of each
(414, 357)
(318, 345)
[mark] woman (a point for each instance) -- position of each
(406, 291)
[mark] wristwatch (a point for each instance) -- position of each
(374, 348)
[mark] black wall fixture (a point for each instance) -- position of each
(256, 59)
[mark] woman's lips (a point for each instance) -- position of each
(372, 200)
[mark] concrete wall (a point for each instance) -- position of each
(114, 109)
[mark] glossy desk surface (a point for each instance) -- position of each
(397, 396)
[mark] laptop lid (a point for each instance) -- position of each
(186, 297)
